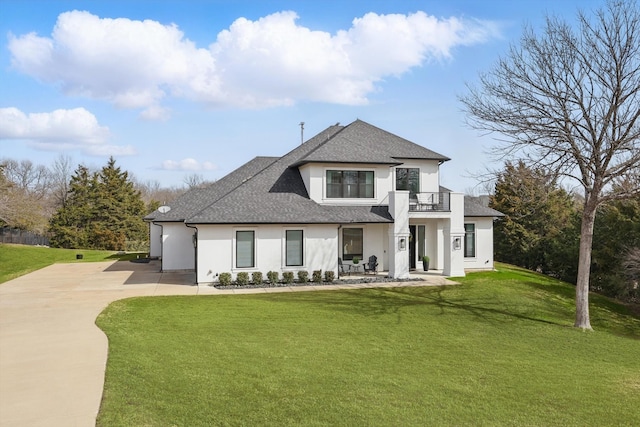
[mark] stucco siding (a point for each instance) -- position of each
(155, 240)
(217, 249)
(484, 244)
(178, 252)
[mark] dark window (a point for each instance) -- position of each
(351, 243)
(245, 249)
(349, 184)
(293, 243)
(469, 240)
(408, 179)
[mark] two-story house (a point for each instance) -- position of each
(350, 191)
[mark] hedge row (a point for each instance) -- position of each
(273, 278)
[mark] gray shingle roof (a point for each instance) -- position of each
(271, 190)
(197, 199)
(361, 142)
(473, 206)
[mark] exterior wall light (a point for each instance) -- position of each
(402, 243)
(457, 243)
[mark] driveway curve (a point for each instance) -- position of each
(53, 356)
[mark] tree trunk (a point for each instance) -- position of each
(584, 265)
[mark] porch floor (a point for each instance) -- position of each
(413, 274)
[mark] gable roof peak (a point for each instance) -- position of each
(361, 142)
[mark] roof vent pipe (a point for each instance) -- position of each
(301, 133)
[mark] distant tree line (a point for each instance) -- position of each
(85, 208)
(541, 231)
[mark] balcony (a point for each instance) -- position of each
(430, 202)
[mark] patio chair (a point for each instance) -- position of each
(427, 202)
(372, 265)
(342, 267)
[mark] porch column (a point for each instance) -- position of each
(399, 235)
(454, 238)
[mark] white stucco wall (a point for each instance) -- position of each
(155, 240)
(178, 252)
(454, 235)
(216, 250)
(314, 178)
(484, 244)
(429, 178)
(399, 231)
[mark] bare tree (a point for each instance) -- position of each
(568, 101)
(194, 180)
(33, 179)
(152, 192)
(61, 172)
(25, 195)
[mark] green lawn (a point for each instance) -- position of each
(16, 260)
(498, 350)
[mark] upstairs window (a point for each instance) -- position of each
(350, 184)
(408, 179)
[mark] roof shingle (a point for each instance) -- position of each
(270, 190)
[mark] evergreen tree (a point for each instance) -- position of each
(119, 209)
(70, 226)
(616, 235)
(537, 212)
(103, 211)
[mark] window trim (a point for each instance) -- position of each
(235, 248)
(303, 246)
(349, 257)
(342, 171)
(474, 233)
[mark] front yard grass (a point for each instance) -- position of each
(16, 260)
(498, 350)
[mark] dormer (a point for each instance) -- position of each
(361, 164)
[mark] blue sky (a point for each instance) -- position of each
(173, 88)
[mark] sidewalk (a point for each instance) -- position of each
(53, 356)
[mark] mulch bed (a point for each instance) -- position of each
(372, 279)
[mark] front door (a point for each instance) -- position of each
(412, 247)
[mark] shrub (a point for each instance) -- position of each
(317, 276)
(256, 278)
(303, 276)
(242, 278)
(225, 279)
(272, 276)
(287, 277)
(329, 275)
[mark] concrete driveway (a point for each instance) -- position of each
(53, 356)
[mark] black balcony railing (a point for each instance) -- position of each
(430, 202)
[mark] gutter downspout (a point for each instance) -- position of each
(339, 255)
(195, 249)
(161, 243)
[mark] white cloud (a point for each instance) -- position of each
(187, 164)
(155, 112)
(59, 130)
(268, 62)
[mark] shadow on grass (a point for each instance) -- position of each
(127, 256)
(443, 300)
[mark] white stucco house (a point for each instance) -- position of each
(350, 191)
